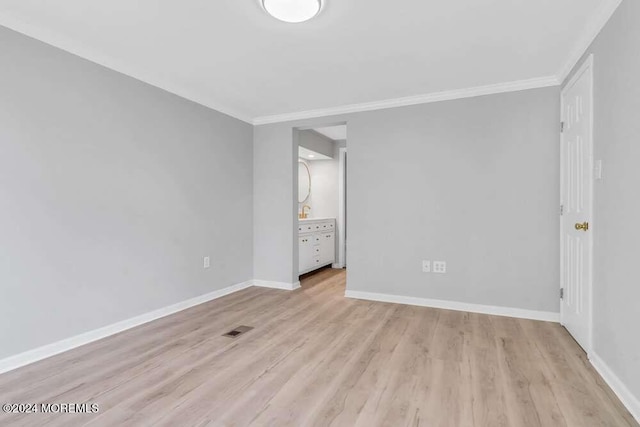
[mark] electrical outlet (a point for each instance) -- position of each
(426, 266)
(440, 267)
(207, 262)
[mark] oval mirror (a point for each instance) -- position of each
(304, 182)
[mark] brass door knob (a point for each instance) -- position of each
(584, 226)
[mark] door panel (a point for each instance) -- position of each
(327, 248)
(577, 198)
(305, 247)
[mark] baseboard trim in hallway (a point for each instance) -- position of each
(31, 356)
(276, 285)
(457, 306)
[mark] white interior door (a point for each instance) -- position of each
(577, 205)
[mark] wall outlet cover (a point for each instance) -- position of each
(440, 267)
(207, 262)
(426, 266)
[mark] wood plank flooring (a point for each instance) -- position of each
(315, 358)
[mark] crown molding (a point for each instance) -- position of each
(592, 30)
(414, 100)
(594, 27)
(154, 79)
(145, 76)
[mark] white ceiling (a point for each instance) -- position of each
(336, 133)
(310, 155)
(232, 56)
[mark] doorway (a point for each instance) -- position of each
(576, 224)
(321, 197)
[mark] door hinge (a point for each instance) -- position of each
(561, 293)
(561, 210)
(561, 127)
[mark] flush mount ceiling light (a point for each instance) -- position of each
(293, 11)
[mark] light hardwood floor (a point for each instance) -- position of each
(317, 358)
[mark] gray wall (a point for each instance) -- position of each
(111, 192)
(474, 182)
(616, 293)
(275, 208)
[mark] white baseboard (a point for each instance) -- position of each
(457, 306)
(276, 285)
(631, 402)
(31, 356)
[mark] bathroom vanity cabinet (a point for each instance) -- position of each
(316, 243)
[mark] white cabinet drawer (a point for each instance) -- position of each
(324, 226)
(316, 226)
(306, 227)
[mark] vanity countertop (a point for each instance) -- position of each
(315, 219)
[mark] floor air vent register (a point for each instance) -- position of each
(236, 332)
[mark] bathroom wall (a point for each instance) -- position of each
(324, 186)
